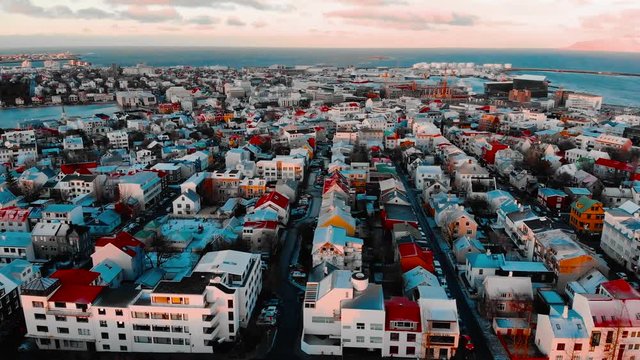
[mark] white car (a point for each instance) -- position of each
(298, 275)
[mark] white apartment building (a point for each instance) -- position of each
(341, 309)
(14, 219)
(19, 137)
(281, 167)
(118, 139)
(621, 235)
(75, 185)
(582, 101)
(145, 187)
(68, 311)
(73, 143)
(62, 213)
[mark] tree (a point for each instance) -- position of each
(163, 250)
(566, 144)
(12, 183)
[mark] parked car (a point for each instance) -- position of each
(622, 275)
(298, 275)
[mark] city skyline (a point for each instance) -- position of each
(572, 24)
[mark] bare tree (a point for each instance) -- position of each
(162, 249)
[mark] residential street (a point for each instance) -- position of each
(473, 326)
(287, 343)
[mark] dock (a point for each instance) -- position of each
(573, 71)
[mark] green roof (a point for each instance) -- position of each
(583, 204)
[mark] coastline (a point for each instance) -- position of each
(45, 106)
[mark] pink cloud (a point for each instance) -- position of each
(144, 14)
(622, 23)
(401, 19)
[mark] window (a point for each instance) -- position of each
(123, 348)
(37, 304)
(577, 347)
(393, 349)
(59, 304)
(120, 324)
(161, 328)
(179, 341)
(359, 339)
(103, 323)
(40, 316)
(104, 335)
(84, 332)
(360, 326)
(142, 339)
(230, 304)
(42, 328)
(440, 325)
(376, 340)
(63, 330)
(231, 328)
(141, 327)
(119, 312)
(61, 318)
(411, 350)
(411, 337)
(122, 336)
(395, 337)
(162, 340)
(82, 319)
(102, 311)
(230, 316)
(375, 326)
(560, 347)
(106, 347)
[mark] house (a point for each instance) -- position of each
(392, 214)
(456, 222)
(14, 219)
(415, 278)
(12, 277)
(145, 187)
(506, 297)
(74, 185)
(187, 204)
(220, 186)
(479, 266)
(465, 246)
(621, 235)
(440, 327)
(124, 250)
(103, 223)
(410, 256)
(288, 188)
(276, 202)
(281, 167)
(424, 173)
(403, 328)
(56, 239)
(588, 283)
(337, 216)
(14, 246)
(64, 213)
(72, 143)
(333, 245)
(118, 139)
(553, 199)
(261, 234)
(615, 196)
(562, 332)
(613, 170)
(250, 188)
(587, 215)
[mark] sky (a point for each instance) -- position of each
(581, 24)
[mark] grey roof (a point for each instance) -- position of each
(194, 284)
(118, 297)
(369, 299)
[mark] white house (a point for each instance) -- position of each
(331, 244)
(187, 204)
(118, 139)
(144, 186)
(124, 250)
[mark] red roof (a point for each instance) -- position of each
(312, 142)
(75, 276)
(300, 112)
(79, 294)
(620, 289)
(272, 225)
(614, 164)
(401, 309)
(123, 241)
(425, 109)
(80, 168)
(412, 256)
(330, 182)
(14, 214)
(275, 198)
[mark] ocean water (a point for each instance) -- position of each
(10, 118)
(618, 90)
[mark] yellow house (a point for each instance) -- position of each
(338, 218)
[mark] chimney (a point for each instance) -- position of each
(325, 270)
(510, 273)
(565, 312)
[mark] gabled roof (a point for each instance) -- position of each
(75, 276)
(275, 198)
(620, 289)
(614, 164)
(123, 241)
(583, 204)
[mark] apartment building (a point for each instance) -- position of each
(621, 235)
(16, 245)
(222, 185)
(118, 139)
(76, 185)
(14, 219)
(70, 311)
(145, 187)
(19, 137)
(281, 167)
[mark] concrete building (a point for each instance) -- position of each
(145, 187)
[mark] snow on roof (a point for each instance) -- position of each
(369, 299)
(335, 236)
(226, 261)
(15, 239)
(108, 270)
(418, 276)
(620, 289)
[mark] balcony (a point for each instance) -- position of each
(68, 312)
(210, 333)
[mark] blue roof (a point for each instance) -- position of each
(59, 208)
(551, 297)
(527, 266)
(493, 261)
(108, 270)
(15, 239)
(580, 191)
(551, 192)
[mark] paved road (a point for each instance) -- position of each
(287, 343)
(474, 328)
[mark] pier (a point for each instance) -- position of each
(571, 71)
